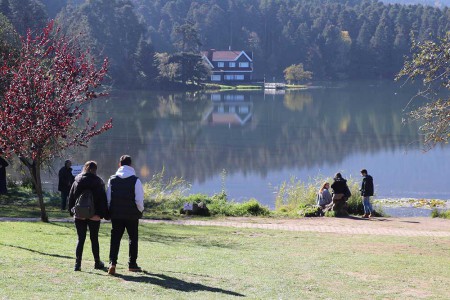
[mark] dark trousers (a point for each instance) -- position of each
(64, 196)
(118, 228)
(94, 227)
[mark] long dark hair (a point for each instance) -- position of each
(90, 167)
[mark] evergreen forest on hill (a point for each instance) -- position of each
(333, 39)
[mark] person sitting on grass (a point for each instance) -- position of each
(324, 196)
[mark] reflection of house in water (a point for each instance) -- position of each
(274, 91)
(228, 109)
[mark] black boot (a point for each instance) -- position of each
(99, 265)
(77, 265)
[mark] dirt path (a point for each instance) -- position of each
(353, 225)
(419, 226)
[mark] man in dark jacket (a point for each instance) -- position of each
(65, 180)
(366, 192)
(126, 203)
(3, 165)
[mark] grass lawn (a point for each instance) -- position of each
(188, 262)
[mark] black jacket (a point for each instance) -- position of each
(97, 186)
(339, 186)
(367, 186)
(65, 179)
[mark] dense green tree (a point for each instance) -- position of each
(296, 74)
(192, 67)
(111, 28)
(9, 43)
(24, 14)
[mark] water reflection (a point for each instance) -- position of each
(229, 109)
(258, 138)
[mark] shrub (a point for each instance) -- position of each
(310, 211)
(436, 213)
(250, 208)
(295, 193)
(165, 196)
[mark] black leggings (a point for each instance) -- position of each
(94, 227)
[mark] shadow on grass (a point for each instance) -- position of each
(173, 283)
(38, 252)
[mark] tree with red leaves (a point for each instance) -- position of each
(49, 82)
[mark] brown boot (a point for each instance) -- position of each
(111, 269)
(366, 216)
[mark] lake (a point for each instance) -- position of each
(260, 139)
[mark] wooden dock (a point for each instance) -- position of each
(274, 85)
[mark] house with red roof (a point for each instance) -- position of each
(229, 66)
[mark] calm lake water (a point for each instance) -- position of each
(262, 139)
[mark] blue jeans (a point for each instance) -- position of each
(367, 205)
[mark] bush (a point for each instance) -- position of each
(310, 211)
(436, 213)
(295, 193)
(250, 208)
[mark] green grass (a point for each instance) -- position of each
(213, 86)
(188, 262)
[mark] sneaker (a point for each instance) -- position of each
(99, 265)
(134, 268)
(366, 216)
(112, 269)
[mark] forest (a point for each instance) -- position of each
(332, 39)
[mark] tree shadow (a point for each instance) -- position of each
(38, 252)
(168, 282)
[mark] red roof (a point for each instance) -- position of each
(222, 55)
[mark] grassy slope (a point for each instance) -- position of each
(36, 262)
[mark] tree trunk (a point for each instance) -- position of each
(35, 171)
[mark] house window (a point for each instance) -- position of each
(244, 109)
(232, 64)
(231, 109)
(244, 64)
(215, 97)
(234, 77)
(215, 78)
(220, 64)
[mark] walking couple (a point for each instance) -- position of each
(122, 202)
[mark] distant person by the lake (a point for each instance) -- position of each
(367, 191)
(125, 196)
(65, 181)
(88, 180)
(324, 196)
(3, 165)
(341, 192)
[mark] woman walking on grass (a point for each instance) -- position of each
(88, 180)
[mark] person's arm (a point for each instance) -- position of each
(71, 197)
(108, 194)
(139, 195)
